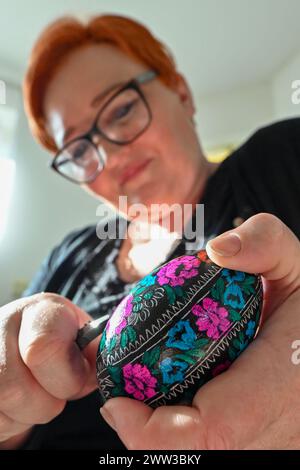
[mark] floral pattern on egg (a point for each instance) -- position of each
(180, 326)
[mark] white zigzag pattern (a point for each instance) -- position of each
(161, 322)
(199, 370)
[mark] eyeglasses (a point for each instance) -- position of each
(123, 118)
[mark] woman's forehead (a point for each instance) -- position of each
(92, 70)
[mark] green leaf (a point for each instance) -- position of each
(170, 293)
(139, 290)
(112, 343)
(148, 295)
(115, 373)
(103, 340)
(248, 285)
(218, 289)
(200, 343)
(185, 358)
(150, 358)
(241, 337)
(234, 315)
(136, 307)
(179, 291)
(196, 353)
(124, 338)
(248, 290)
(118, 391)
(249, 281)
(131, 333)
(236, 343)
(231, 354)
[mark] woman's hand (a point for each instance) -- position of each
(256, 403)
(41, 366)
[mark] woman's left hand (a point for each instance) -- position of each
(256, 403)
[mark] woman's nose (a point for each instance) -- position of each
(110, 152)
(96, 138)
(102, 143)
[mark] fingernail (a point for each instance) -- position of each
(106, 415)
(226, 245)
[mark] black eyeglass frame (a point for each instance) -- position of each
(134, 84)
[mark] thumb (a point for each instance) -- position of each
(89, 353)
(262, 244)
(48, 330)
(166, 427)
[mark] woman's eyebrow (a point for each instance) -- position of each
(95, 101)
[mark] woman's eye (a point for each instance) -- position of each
(79, 151)
(123, 111)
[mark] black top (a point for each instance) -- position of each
(263, 175)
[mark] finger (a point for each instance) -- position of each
(262, 244)
(90, 352)
(10, 428)
(17, 385)
(47, 346)
(231, 411)
(166, 427)
(240, 405)
(228, 412)
(256, 396)
(277, 337)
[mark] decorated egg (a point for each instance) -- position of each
(179, 327)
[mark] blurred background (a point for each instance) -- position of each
(239, 57)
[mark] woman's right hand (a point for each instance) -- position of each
(41, 366)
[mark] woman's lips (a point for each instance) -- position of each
(131, 172)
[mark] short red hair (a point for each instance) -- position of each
(66, 35)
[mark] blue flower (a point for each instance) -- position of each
(181, 336)
(172, 371)
(232, 275)
(148, 280)
(250, 329)
(233, 296)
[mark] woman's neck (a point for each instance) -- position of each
(126, 267)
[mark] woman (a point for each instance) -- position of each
(106, 99)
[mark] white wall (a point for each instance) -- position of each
(229, 118)
(43, 209)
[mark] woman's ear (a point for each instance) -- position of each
(185, 95)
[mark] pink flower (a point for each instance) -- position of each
(221, 368)
(211, 318)
(178, 270)
(117, 321)
(138, 381)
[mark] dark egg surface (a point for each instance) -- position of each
(180, 326)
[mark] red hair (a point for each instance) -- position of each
(68, 34)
